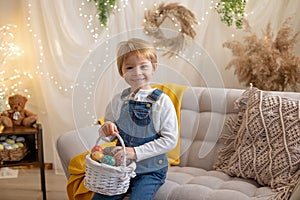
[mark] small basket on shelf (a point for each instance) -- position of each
(15, 154)
(106, 179)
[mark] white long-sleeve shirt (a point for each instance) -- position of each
(164, 121)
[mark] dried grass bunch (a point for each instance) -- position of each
(268, 64)
(179, 15)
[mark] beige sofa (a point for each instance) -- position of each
(204, 114)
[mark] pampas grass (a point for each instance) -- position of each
(267, 62)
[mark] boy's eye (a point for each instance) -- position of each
(129, 68)
(145, 66)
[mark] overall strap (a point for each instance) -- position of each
(125, 93)
(155, 95)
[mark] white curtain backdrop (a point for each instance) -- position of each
(73, 58)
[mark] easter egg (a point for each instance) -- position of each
(14, 146)
(20, 139)
(20, 144)
(5, 144)
(13, 137)
(2, 138)
(9, 141)
(109, 160)
(108, 150)
(119, 161)
(8, 147)
(1, 147)
(97, 148)
(97, 155)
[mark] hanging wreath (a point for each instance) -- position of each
(180, 16)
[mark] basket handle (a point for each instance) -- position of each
(122, 143)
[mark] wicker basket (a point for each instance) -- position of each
(16, 154)
(108, 180)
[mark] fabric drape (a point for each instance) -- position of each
(74, 65)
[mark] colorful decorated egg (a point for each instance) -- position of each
(20, 139)
(13, 137)
(8, 147)
(15, 146)
(108, 150)
(97, 155)
(97, 148)
(9, 141)
(2, 138)
(20, 144)
(109, 160)
(119, 161)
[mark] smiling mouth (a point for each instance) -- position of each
(138, 80)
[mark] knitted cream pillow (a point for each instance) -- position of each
(266, 143)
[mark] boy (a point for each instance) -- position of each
(144, 117)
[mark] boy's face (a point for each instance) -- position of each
(138, 72)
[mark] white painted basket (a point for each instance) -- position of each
(108, 180)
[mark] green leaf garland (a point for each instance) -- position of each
(104, 9)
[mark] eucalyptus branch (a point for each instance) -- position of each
(104, 9)
(232, 11)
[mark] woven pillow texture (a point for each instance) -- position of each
(266, 141)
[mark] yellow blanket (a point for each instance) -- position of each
(175, 92)
(75, 185)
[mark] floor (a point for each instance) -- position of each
(27, 186)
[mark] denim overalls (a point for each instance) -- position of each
(135, 126)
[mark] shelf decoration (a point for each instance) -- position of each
(270, 64)
(104, 9)
(231, 12)
(180, 16)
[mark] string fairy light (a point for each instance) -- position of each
(41, 57)
(92, 25)
(87, 11)
(91, 17)
(8, 48)
(11, 79)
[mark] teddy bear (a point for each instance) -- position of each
(17, 115)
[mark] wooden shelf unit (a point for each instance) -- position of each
(35, 156)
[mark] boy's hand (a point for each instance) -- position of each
(130, 153)
(109, 129)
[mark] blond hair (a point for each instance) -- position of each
(136, 46)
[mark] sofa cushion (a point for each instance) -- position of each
(267, 141)
(190, 183)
